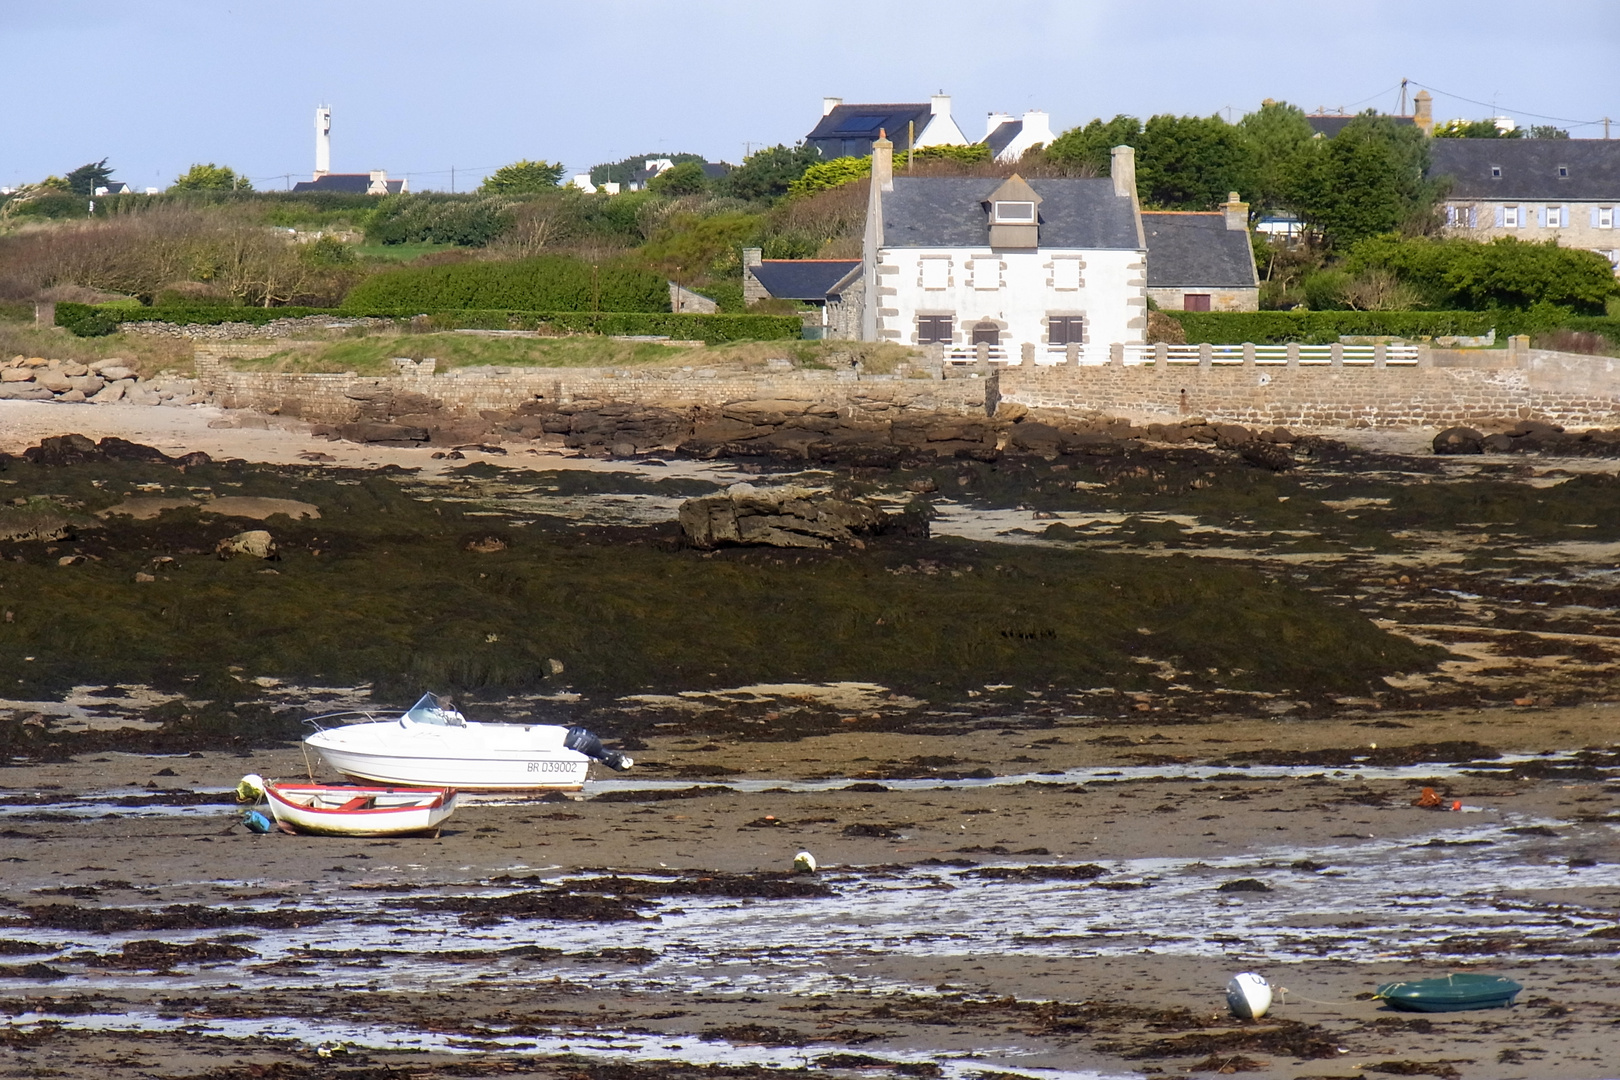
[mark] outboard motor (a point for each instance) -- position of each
(585, 742)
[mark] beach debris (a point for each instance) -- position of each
(1450, 993)
(255, 542)
(1428, 798)
(1248, 996)
(804, 863)
(257, 822)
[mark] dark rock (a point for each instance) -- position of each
(372, 432)
(1267, 455)
(63, 450)
(1247, 884)
(115, 449)
(1498, 443)
(785, 517)
(1232, 436)
(1459, 440)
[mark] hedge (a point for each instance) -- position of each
(1326, 327)
(545, 283)
(86, 320)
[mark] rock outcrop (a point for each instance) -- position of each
(783, 517)
(76, 449)
(24, 378)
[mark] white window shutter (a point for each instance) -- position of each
(1594, 217)
(1473, 217)
(1501, 217)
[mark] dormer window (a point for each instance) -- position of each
(1563, 171)
(1014, 213)
(1496, 172)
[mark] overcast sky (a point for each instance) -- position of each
(417, 87)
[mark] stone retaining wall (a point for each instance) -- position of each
(1559, 387)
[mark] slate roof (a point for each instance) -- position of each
(803, 279)
(1529, 168)
(950, 212)
(1329, 126)
(352, 183)
(1196, 249)
(862, 122)
(999, 139)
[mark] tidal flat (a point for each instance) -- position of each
(1124, 724)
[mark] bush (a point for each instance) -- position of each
(545, 283)
(472, 221)
(830, 174)
(1504, 273)
(86, 320)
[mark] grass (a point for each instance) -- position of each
(146, 354)
(369, 354)
(401, 252)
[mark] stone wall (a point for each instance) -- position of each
(1559, 387)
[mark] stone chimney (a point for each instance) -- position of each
(995, 120)
(1237, 213)
(1123, 169)
(882, 162)
(940, 105)
(1423, 112)
(828, 104)
(753, 256)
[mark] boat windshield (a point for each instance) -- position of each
(433, 709)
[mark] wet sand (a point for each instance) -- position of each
(1052, 969)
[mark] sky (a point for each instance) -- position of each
(420, 88)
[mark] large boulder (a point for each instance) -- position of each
(255, 543)
(1459, 440)
(779, 517)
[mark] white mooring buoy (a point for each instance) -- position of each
(1248, 996)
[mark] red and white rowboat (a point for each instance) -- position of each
(350, 810)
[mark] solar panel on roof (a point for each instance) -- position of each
(860, 125)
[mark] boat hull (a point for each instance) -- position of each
(1455, 993)
(473, 758)
(329, 810)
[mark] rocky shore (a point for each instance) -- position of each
(103, 382)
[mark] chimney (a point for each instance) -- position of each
(993, 121)
(940, 105)
(882, 162)
(1237, 213)
(1123, 170)
(1423, 107)
(828, 104)
(753, 256)
(1037, 128)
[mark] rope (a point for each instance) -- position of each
(1283, 992)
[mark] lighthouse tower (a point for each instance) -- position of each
(323, 140)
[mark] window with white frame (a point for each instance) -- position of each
(1605, 217)
(936, 273)
(1510, 217)
(1555, 217)
(1460, 217)
(1013, 213)
(1065, 273)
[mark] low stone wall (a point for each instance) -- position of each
(1558, 387)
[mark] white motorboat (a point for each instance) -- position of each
(350, 810)
(432, 744)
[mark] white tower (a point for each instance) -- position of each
(323, 140)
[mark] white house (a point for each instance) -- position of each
(1010, 139)
(1023, 267)
(1566, 190)
(851, 130)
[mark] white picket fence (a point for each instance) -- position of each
(1293, 355)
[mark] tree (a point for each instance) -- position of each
(687, 178)
(1366, 180)
(210, 177)
(1547, 131)
(523, 178)
(767, 173)
(1475, 129)
(1192, 162)
(624, 172)
(974, 154)
(830, 174)
(86, 178)
(1090, 147)
(1277, 133)
(1505, 273)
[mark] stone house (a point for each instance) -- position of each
(1023, 267)
(1010, 139)
(1534, 189)
(375, 182)
(850, 130)
(1201, 261)
(833, 287)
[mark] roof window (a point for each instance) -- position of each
(1016, 213)
(1496, 172)
(1563, 170)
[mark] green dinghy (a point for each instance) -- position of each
(1453, 993)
